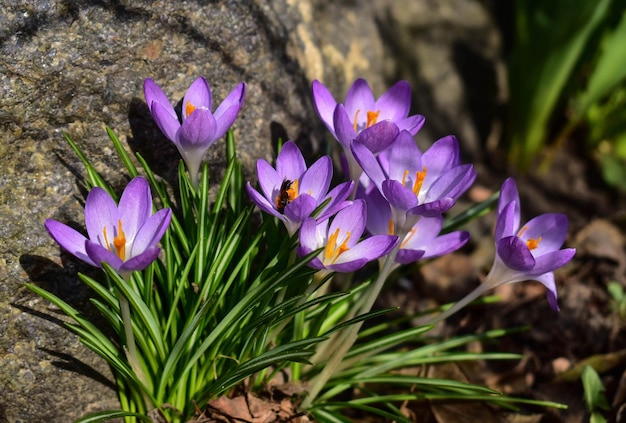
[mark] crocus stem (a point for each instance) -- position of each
(131, 349)
(477, 292)
(342, 343)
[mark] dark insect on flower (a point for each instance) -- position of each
(283, 198)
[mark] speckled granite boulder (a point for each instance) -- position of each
(76, 66)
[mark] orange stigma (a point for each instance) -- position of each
(332, 252)
(119, 242)
(372, 118)
(189, 109)
(532, 243)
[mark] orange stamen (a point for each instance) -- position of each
(372, 118)
(332, 252)
(356, 119)
(189, 109)
(391, 228)
(408, 237)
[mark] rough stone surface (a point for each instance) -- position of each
(76, 66)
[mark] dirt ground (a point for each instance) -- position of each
(587, 330)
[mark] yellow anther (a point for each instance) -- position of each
(391, 227)
(332, 252)
(356, 119)
(189, 109)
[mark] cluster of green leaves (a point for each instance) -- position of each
(202, 317)
(567, 72)
(230, 303)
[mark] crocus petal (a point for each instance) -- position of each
(505, 225)
(368, 162)
(311, 236)
(406, 256)
(68, 238)
(445, 244)
(269, 180)
(151, 232)
(452, 183)
(399, 196)
(226, 120)
(395, 103)
(442, 155)
(316, 180)
(347, 267)
(369, 249)
(98, 254)
(290, 163)
(135, 206)
(154, 94)
(262, 201)
(300, 208)
(141, 261)
(100, 212)
(234, 98)
(379, 136)
(344, 128)
(359, 99)
(227, 112)
(547, 279)
(167, 123)
(324, 103)
(412, 124)
(433, 208)
(552, 261)
(197, 96)
(338, 201)
(198, 130)
(378, 213)
(549, 230)
(508, 193)
(405, 155)
(515, 254)
(351, 220)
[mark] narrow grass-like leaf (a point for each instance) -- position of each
(106, 416)
(121, 151)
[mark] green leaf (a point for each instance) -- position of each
(106, 416)
(593, 390)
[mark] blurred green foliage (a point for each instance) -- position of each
(567, 72)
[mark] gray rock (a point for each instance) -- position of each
(76, 66)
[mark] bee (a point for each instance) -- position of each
(283, 198)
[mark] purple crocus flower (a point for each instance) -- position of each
(413, 183)
(421, 242)
(292, 192)
(200, 126)
(123, 236)
(531, 251)
(374, 123)
(362, 111)
(342, 250)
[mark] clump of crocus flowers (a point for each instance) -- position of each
(390, 209)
